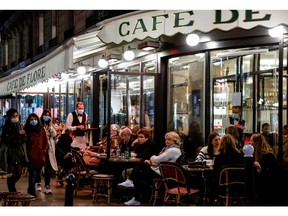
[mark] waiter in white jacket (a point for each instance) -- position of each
(77, 121)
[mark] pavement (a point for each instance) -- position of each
(57, 198)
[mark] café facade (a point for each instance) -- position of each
(163, 70)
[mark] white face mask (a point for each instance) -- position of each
(14, 120)
(235, 116)
(80, 112)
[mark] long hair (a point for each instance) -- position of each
(210, 138)
(260, 146)
(232, 130)
(227, 143)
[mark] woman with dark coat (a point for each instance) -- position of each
(37, 147)
(13, 137)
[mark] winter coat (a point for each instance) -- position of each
(37, 146)
(51, 135)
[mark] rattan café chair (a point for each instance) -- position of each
(174, 177)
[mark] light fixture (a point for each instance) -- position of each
(112, 58)
(277, 31)
(149, 45)
(192, 39)
(129, 54)
(102, 63)
(81, 70)
(64, 75)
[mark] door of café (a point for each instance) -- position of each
(125, 99)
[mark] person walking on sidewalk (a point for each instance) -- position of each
(51, 162)
(37, 146)
(13, 137)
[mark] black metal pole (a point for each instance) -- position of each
(70, 178)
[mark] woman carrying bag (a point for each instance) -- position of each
(13, 138)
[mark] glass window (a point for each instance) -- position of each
(149, 67)
(186, 89)
(87, 98)
(71, 98)
(63, 102)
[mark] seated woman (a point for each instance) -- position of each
(266, 165)
(150, 169)
(211, 150)
(229, 154)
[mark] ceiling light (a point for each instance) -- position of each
(149, 45)
(102, 63)
(81, 70)
(112, 58)
(192, 39)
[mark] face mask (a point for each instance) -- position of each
(14, 120)
(46, 118)
(80, 112)
(235, 116)
(33, 122)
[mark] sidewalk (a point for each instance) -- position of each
(57, 198)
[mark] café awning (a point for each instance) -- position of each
(49, 66)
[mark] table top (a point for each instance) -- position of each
(197, 169)
(4, 175)
(115, 159)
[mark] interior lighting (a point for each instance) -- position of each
(192, 39)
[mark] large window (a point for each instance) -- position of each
(246, 78)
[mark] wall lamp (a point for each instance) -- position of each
(192, 39)
(64, 75)
(149, 45)
(129, 54)
(277, 31)
(81, 70)
(102, 63)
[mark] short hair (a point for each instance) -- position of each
(265, 125)
(79, 103)
(125, 131)
(144, 132)
(173, 136)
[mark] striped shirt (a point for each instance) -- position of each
(203, 155)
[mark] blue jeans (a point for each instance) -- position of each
(34, 174)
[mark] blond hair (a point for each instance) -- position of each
(260, 146)
(226, 142)
(173, 136)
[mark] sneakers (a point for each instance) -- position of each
(38, 187)
(48, 190)
(128, 183)
(132, 202)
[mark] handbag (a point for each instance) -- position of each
(3, 157)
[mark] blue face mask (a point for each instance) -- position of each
(46, 118)
(33, 122)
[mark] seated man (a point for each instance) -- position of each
(144, 149)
